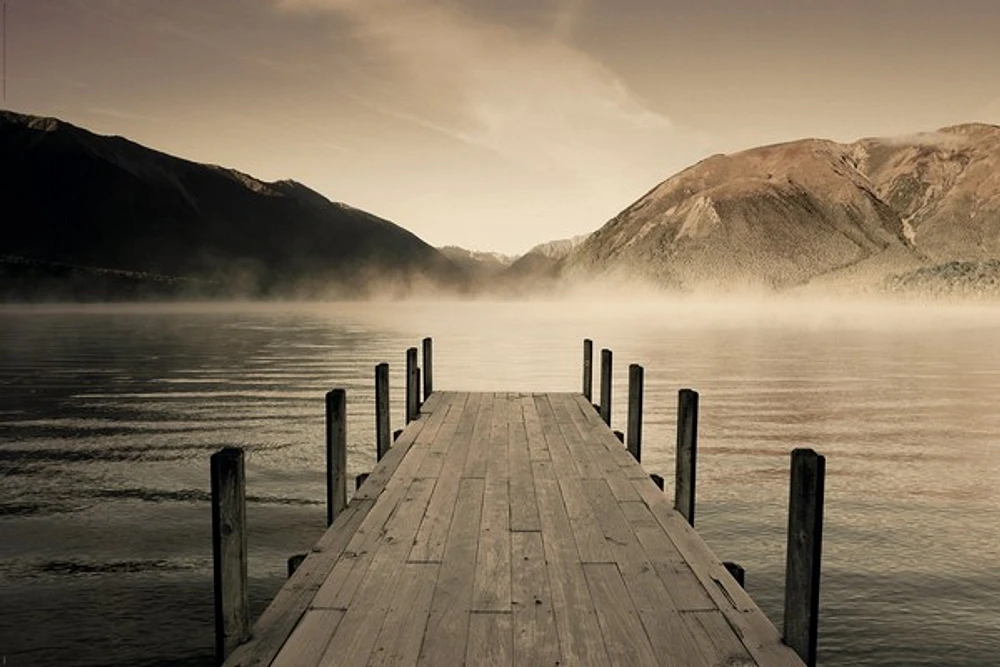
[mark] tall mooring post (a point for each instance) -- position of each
(606, 386)
(634, 431)
(412, 386)
(687, 453)
(336, 454)
(383, 429)
(805, 548)
(588, 369)
(428, 348)
(229, 551)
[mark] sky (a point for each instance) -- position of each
(497, 124)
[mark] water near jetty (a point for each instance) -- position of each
(108, 415)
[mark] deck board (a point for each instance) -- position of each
(511, 529)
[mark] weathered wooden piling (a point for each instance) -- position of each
(229, 551)
(606, 386)
(687, 453)
(294, 562)
(738, 572)
(359, 479)
(395, 434)
(588, 369)
(336, 454)
(383, 432)
(428, 345)
(620, 435)
(634, 431)
(657, 479)
(804, 551)
(412, 386)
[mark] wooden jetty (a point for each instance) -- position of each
(507, 529)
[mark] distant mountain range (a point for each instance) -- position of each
(104, 217)
(810, 212)
(90, 216)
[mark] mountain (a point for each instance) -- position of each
(809, 212)
(945, 186)
(539, 269)
(482, 267)
(102, 203)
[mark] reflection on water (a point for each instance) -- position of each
(108, 416)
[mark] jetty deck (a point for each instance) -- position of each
(511, 529)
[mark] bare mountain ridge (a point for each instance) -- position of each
(788, 214)
(79, 199)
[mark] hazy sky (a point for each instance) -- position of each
(497, 124)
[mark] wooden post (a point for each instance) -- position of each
(805, 546)
(395, 434)
(606, 386)
(294, 562)
(420, 401)
(411, 384)
(588, 369)
(620, 435)
(687, 453)
(657, 479)
(336, 454)
(359, 479)
(737, 571)
(383, 433)
(229, 551)
(634, 432)
(428, 367)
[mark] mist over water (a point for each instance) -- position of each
(108, 415)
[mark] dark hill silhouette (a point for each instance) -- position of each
(74, 197)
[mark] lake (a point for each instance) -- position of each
(108, 416)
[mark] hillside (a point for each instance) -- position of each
(80, 199)
(809, 212)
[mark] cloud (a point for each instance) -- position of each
(527, 95)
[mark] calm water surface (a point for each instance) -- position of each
(108, 416)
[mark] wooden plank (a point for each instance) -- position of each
(445, 438)
(611, 444)
(589, 435)
(538, 449)
(559, 452)
(354, 639)
(496, 456)
(490, 641)
(310, 638)
(586, 532)
(429, 544)
(759, 635)
(624, 636)
(683, 586)
(576, 619)
(491, 590)
(523, 506)
(577, 445)
(716, 639)
(657, 611)
(448, 625)
(278, 621)
(347, 574)
(534, 629)
(399, 640)
(479, 443)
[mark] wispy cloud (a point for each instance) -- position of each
(529, 96)
(121, 114)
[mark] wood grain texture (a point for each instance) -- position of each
(511, 529)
